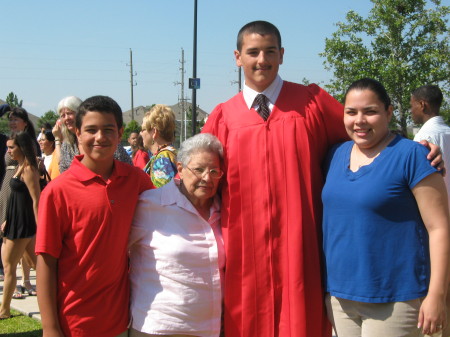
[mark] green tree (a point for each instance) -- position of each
(198, 126)
(49, 117)
(129, 128)
(13, 101)
(402, 43)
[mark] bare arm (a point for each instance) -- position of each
(31, 179)
(431, 197)
(46, 270)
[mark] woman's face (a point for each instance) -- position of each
(201, 176)
(68, 118)
(17, 124)
(366, 118)
(45, 144)
(14, 150)
(147, 138)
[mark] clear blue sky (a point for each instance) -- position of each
(54, 48)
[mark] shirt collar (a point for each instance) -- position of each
(82, 173)
(435, 120)
(170, 194)
(271, 92)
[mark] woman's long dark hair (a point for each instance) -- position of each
(23, 115)
(140, 146)
(26, 144)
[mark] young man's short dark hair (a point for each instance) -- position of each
(429, 93)
(103, 104)
(258, 27)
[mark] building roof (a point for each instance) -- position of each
(140, 111)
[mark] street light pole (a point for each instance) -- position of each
(194, 74)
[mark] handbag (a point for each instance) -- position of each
(44, 178)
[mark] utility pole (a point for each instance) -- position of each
(239, 81)
(194, 74)
(132, 82)
(182, 100)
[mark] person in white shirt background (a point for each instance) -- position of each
(425, 103)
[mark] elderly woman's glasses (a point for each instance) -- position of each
(201, 172)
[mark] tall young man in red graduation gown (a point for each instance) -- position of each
(271, 198)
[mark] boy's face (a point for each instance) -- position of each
(133, 139)
(260, 58)
(99, 136)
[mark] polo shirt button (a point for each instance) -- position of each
(112, 201)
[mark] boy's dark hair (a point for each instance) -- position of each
(258, 27)
(431, 94)
(372, 85)
(102, 104)
(23, 115)
(49, 135)
(26, 144)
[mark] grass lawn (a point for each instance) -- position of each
(20, 326)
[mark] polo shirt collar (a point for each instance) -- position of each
(82, 173)
(170, 195)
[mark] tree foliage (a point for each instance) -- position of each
(402, 43)
(49, 117)
(13, 100)
(132, 126)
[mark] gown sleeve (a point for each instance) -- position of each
(332, 113)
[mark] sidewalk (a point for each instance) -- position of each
(27, 306)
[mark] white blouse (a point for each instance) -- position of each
(177, 260)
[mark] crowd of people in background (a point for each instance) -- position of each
(225, 237)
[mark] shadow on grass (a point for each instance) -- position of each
(33, 333)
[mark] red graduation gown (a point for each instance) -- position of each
(271, 211)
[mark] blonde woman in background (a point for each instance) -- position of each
(158, 133)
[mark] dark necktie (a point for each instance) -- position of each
(263, 109)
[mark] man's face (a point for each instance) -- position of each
(260, 59)
(416, 110)
(132, 140)
(99, 136)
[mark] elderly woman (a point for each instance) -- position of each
(158, 132)
(64, 131)
(385, 226)
(176, 249)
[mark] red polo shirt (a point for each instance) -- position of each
(84, 222)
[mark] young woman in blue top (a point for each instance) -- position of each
(385, 226)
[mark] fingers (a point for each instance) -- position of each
(431, 327)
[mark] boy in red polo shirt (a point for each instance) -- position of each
(84, 219)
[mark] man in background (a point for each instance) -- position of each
(426, 102)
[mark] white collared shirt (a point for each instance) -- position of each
(437, 132)
(272, 92)
(177, 260)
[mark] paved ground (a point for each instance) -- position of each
(28, 306)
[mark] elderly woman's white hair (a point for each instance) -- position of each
(69, 102)
(72, 103)
(199, 142)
